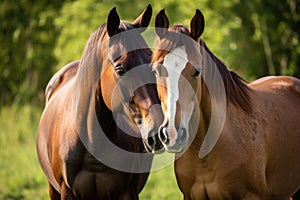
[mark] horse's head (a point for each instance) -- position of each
(127, 84)
(177, 63)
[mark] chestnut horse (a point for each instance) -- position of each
(232, 140)
(88, 108)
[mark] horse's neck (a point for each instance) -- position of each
(104, 114)
(204, 112)
(86, 93)
(212, 113)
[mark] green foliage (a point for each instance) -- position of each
(77, 21)
(26, 55)
(267, 42)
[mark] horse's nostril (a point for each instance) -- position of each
(183, 134)
(163, 135)
(139, 121)
(151, 141)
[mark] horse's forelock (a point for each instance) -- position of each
(172, 40)
(126, 42)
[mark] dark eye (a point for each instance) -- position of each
(120, 69)
(155, 72)
(196, 74)
(160, 71)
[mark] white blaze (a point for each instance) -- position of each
(174, 62)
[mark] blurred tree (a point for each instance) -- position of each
(267, 42)
(79, 19)
(27, 40)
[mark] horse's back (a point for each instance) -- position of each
(60, 78)
(278, 95)
(281, 92)
(278, 83)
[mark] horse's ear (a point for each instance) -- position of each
(197, 25)
(113, 22)
(144, 19)
(161, 23)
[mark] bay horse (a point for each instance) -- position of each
(232, 139)
(81, 144)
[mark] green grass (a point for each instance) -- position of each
(20, 172)
(161, 185)
(21, 176)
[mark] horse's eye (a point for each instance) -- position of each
(155, 72)
(120, 69)
(154, 69)
(196, 74)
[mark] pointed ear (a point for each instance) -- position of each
(197, 25)
(113, 22)
(144, 19)
(161, 24)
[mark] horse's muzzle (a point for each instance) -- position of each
(153, 143)
(173, 145)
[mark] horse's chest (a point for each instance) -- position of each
(215, 191)
(100, 184)
(211, 182)
(96, 179)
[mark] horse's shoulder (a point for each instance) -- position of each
(60, 78)
(53, 145)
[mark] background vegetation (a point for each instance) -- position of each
(254, 38)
